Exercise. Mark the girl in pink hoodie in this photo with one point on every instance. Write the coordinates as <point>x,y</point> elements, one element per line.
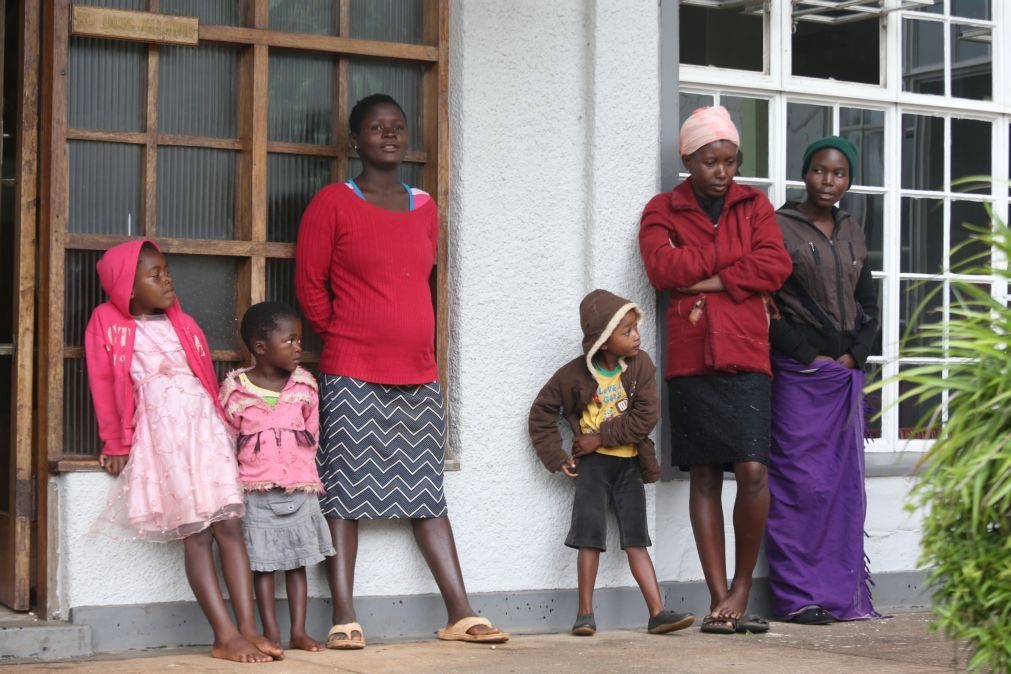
<point>166,441</point>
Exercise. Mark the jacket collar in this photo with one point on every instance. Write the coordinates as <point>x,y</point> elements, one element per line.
<point>683,197</point>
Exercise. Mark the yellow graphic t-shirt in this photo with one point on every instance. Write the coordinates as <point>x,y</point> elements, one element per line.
<point>610,402</point>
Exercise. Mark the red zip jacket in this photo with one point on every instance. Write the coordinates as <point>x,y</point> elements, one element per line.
<point>108,348</point>
<point>680,247</point>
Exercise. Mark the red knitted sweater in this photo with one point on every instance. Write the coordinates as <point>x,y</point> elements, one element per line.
<point>362,279</point>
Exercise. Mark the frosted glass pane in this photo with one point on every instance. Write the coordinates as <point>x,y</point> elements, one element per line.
<point>82,293</point>
<point>292,182</point>
<point>198,93</point>
<point>402,81</point>
<point>301,97</point>
<point>105,188</point>
<point>196,192</point>
<point>387,20</point>
<point>205,286</point>
<point>281,288</point>
<point>107,84</point>
<point>305,16</point>
<point>216,12</point>
<point>80,428</point>
<point>137,5</point>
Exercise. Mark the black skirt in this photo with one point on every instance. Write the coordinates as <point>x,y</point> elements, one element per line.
<point>719,419</point>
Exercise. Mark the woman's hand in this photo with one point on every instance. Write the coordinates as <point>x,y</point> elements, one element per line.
<point>822,358</point>
<point>847,360</point>
<point>113,464</point>
<point>713,284</point>
<point>569,467</point>
<point>585,444</point>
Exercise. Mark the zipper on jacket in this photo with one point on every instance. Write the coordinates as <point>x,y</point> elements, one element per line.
<point>814,253</point>
<point>853,255</point>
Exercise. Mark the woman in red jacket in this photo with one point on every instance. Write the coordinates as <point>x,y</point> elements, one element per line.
<point>716,247</point>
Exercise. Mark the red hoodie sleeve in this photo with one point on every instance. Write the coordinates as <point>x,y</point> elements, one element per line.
<point>668,264</point>
<point>103,393</point>
<point>767,266</point>
<point>313,250</point>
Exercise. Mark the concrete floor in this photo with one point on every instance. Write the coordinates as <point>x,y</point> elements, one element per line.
<point>902,643</point>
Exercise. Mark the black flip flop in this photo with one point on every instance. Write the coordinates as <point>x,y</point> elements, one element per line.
<point>815,615</point>
<point>669,621</point>
<point>755,624</point>
<point>585,626</point>
<point>719,624</point>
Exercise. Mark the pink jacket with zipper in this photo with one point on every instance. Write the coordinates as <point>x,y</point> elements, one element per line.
<point>108,348</point>
<point>277,444</point>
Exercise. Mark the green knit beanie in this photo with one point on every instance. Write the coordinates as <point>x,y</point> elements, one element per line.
<point>835,142</point>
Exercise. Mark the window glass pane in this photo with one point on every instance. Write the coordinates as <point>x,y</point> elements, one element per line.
<point>872,403</point>
<point>922,235</point>
<point>797,194</point>
<point>935,7</point>
<point>751,116</point>
<point>825,50</point>
<point>866,130</point>
<point>973,253</point>
<point>301,106</point>
<point>912,412</point>
<point>971,9</point>
<point>804,125</point>
<point>292,181</point>
<point>281,288</point>
<point>879,288</point>
<point>137,5</point>
<point>971,62</point>
<point>401,80</point>
<point>196,192</point>
<point>197,91</point>
<point>105,188</point>
<point>689,103</point>
<point>920,304</point>
<point>205,286</point>
<point>410,173</point>
<point>922,152</point>
<point>304,16</point>
<point>215,12</point>
<point>80,427</point>
<point>387,20</point>
<point>923,56</point>
<point>869,210</point>
<point>82,293</point>
<point>107,81</point>
<point>705,38</point>
<point>970,150</point>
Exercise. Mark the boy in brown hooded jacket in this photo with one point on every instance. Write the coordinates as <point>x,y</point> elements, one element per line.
<point>608,396</point>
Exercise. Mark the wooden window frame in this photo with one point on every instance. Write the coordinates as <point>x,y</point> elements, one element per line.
<point>250,247</point>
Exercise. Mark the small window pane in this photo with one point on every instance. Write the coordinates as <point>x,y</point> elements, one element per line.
<point>922,152</point>
<point>751,116</point>
<point>689,103</point>
<point>914,422</point>
<point>920,304</point>
<point>970,150</point>
<point>205,286</point>
<point>301,106</point>
<point>971,9</point>
<point>401,80</point>
<point>196,192</point>
<point>804,125</point>
<point>292,182</point>
<point>869,210</point>
<point>213,12</point>
<point>971,62</point>
<point>108,84</point>
<point>197,93</point>
<point>935,7</point>
<point>387,20</point>
<point>825,50</point>
<point>922,236</point>
<point>968,253</point>
<point>796,194</point>
<point>82,293</point>
<point>923,57</point>
<point>304,16</point>
<point>866,130</point>
<point>80,427</point>
<point>879,288</point>
<point>704,39</point>
<point>410,173</point>
<point>872,402</point>
<point>281,288</point>
<point>105,188</point>
<point>136,5</point>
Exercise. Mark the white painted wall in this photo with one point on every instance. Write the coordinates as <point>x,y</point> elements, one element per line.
<point>554,153</point>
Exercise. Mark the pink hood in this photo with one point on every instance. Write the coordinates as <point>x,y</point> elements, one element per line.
<point>117,271</point>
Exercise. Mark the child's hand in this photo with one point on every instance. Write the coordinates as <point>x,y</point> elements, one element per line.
<point>569,467</point>
<point>113,464</point>
<point>585,444</point>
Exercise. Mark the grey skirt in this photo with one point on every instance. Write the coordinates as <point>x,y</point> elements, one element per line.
<point>284,531</point>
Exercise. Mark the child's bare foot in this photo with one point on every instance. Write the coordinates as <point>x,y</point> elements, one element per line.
<point>238,649</point>
<point>265,645</point>
<point>304,642</point>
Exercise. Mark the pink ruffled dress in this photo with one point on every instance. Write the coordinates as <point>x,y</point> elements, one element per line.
<point>182,474</point>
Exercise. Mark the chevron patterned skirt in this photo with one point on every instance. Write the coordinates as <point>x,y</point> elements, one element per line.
<point>381,449</point>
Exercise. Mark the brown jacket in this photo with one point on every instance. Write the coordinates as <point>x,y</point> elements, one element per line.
<point>573,387</point>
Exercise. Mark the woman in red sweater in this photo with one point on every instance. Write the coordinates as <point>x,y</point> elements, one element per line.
<point>716,247</point>
<point>364,255</point>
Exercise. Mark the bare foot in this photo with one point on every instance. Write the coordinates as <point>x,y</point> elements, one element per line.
<point>238,649</point>
<point>482,630</point>
<point>304,642</point>
<point>734,604</point>
<point>265,645</point>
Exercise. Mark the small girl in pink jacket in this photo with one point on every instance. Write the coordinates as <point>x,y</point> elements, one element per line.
<point>274,406</point>
<point>166,441</point>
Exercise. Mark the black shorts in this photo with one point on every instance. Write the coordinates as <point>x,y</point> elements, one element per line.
<point>602,476</point>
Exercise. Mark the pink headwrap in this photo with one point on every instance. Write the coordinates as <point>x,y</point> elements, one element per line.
<point>707,125</point>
